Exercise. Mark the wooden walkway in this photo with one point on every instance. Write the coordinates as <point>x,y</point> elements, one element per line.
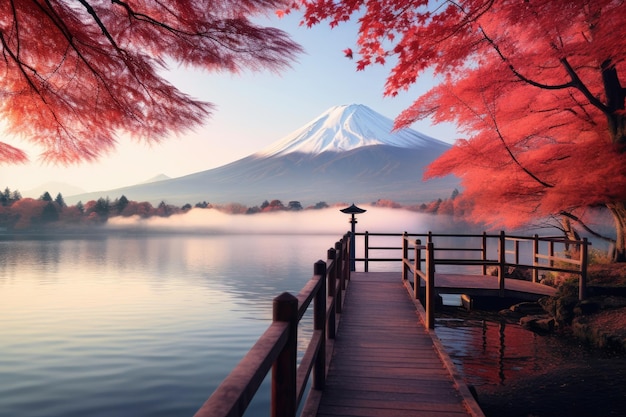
<point>487,285</point>
<point>385,362</point>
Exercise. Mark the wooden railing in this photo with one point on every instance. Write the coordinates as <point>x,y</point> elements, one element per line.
<point>420,254</point>
<point>277,348</point>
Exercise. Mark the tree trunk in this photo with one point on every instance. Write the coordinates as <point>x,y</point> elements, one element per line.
<point>615,96</point>
<point>571,234</point>
<point>618,210</point>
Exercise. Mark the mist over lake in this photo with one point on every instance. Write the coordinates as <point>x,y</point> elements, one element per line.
<point>324,221</point>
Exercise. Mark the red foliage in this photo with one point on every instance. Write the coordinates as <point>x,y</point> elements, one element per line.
<point>142,209</point>
<point>533,84</point>
<point>387,203</point>
<point>29,210</point>
<point>76,73</point>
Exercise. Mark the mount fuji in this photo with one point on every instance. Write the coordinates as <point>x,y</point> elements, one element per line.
<point>347,154</point>
<point>345,128</point>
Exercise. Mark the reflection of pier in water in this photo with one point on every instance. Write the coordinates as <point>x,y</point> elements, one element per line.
<point>494,352</point>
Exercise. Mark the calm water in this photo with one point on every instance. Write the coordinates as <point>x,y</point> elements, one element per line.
<point>149,326</point>
<point>136,326</point>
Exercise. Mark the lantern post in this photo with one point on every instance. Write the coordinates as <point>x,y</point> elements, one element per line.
<point>352,210</point>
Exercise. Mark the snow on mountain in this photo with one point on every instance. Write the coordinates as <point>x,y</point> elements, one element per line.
<point>344,128</point>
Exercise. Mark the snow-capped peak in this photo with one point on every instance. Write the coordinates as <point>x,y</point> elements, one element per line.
<point>347,127</point>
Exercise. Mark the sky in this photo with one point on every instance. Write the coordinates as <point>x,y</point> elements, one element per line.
<point>253,110</point>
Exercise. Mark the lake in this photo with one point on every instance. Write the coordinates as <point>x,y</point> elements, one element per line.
<point>136,326</point>
<point>149,325</point>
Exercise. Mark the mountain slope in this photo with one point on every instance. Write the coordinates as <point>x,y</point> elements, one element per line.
<point>344,128</point>
<point>345,155</point>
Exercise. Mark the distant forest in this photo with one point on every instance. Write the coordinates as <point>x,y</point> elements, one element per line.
<point>28,214</point>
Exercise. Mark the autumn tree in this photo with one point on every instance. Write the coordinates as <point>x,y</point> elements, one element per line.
<point>76,74</point>
<point>274,205</point>
<point>28,211</point>
<point>535,86</point>
<point>120,203</point>
<point>320,205</point>
<point>294,206</point>
<point>142,209</point>
<point>165,210</point>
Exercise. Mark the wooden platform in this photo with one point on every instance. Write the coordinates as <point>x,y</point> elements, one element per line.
<point>385,362</point>
<point>487,285</point>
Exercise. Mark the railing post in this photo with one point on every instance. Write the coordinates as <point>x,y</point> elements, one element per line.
<point>535,258</point>
<point>340,271</point>
<point>405,256</point>
<point>284,403</point>
<point>349,246</point>
<point>484,253</point>
<point>417,267</point>
<point>501,262</point>
<point>430,286</point>
<point>367,251</point>
<point>350,241</point>
<point>582,285</point>
<point>332,288</point>
<point>319,324</point>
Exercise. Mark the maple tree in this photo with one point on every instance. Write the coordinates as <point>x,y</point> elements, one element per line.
<point>533,84</point>
<point>75,74</point>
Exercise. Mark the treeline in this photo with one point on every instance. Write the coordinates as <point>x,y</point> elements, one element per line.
<point>17,213</point>
<point>22,214</point>
<point>449,206</point>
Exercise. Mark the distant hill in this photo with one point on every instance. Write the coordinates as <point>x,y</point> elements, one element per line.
<point>347,154</point>
<point>53,188</point>
<point>160,177</point>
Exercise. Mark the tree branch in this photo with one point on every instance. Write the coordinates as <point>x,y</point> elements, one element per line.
<point>520,76</point>
<point>579,85</point>
<point>512,155</point>
<point>585,227</point>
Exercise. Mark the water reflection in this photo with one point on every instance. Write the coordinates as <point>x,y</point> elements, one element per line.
<point>137,326</point>
<point>491,351</point>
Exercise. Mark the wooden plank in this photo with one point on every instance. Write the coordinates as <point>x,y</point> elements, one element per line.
<point>384,362</point>
<point>464,283</point>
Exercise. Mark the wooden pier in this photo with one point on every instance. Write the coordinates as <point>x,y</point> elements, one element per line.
<point>385,361</point>
<point>373,351</point>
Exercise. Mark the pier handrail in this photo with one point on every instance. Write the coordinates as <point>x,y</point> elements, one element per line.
<point>277,348</point>
<point>413,264</point>
<point>540,262</point>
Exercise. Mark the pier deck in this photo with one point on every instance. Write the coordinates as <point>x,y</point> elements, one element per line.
<point>385,361</point>
<point>488,285</point>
